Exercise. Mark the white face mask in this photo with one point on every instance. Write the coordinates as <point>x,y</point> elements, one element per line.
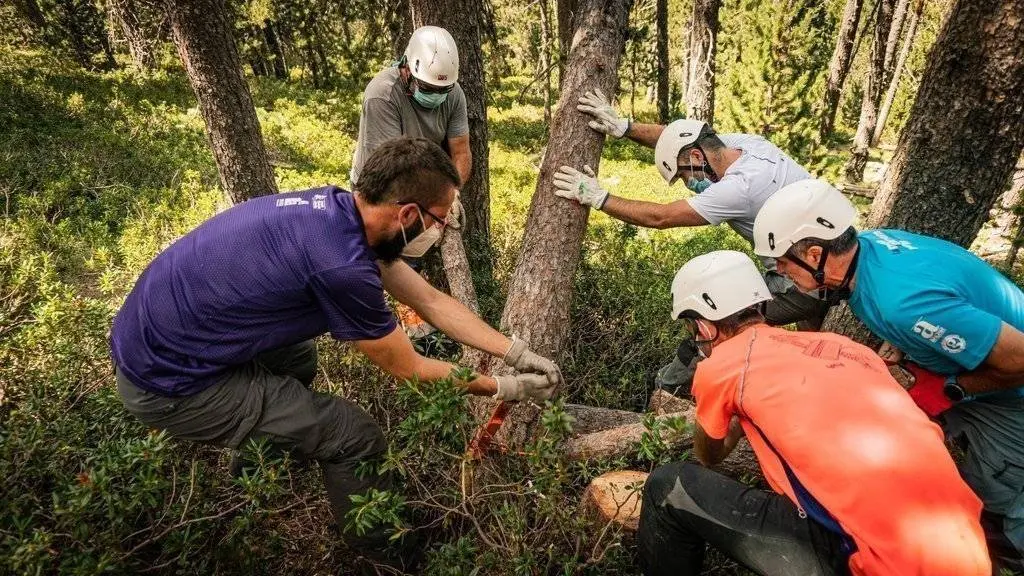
<point>421,243</point>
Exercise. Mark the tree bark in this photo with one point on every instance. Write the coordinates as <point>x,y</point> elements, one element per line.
<point>539,298</point>
<point>463,19</point>
<point>202,33</point>
<point>125,15</point>
<point>276,51</point>
<point>700,89</point>
<point>661,18</point>
<point>897,72</point>
<point>840,66</point>
<point>873,82</point>
<point>966,127</point>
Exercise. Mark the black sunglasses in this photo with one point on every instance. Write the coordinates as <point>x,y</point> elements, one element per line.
<point>431,89</point>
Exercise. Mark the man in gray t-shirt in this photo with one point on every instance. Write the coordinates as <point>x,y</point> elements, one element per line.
<point>418,96</point>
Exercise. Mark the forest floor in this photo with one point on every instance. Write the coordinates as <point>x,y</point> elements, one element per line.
<point>100,171</point>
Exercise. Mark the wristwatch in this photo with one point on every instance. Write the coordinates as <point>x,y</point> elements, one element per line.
<point>953,390</point>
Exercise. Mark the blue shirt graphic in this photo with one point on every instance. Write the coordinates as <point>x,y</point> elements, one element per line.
<point>938,303</point>
<point>266,273</point>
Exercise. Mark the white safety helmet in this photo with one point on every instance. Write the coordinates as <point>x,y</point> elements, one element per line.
<point>804,209</point>
<point>716,285</point>
<point>432,56</point>
<point>676,136</point>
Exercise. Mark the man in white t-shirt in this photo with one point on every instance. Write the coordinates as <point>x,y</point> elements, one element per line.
<point>731,175</point>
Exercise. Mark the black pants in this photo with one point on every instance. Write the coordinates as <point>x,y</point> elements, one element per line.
<point>687,507</point>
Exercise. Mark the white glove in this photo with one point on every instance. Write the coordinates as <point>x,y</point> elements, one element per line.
<point>520,357</point>
<point>524,387</point>
<point>580,186</point>
<point>606,119</point>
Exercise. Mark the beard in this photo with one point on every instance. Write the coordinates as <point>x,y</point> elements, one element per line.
<point>391,249</point>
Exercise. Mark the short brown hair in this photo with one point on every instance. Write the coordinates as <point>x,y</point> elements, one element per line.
<point>407,169</point>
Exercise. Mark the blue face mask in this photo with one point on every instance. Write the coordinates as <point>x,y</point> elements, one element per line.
<point>429,100</point>
<point>698,186</point>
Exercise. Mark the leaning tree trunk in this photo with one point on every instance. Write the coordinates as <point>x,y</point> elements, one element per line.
<point>873,83</point>
<point>125,15</point>
<point>840,65</point>
<point>700,89</point>
<point>202,32</point>
<point>463,18</point>
<point>539,298</point>
<point>661,17</point>
<point>899,15</point>
<point>897,72</point>
<point>966,127</point>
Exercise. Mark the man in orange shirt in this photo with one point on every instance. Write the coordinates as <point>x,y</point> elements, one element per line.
<point>862,482</point>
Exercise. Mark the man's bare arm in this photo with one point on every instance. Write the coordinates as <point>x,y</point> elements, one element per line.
<point>441,310</point>
<point>653,215</point>
<point>462,156</point>
<point>646,134</point>
<point>710,451</point>
<point>395,355</point>
<point>1003,369</point>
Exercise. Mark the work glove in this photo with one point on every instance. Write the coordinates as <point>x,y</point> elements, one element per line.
<point>535,387</point>
<point>522,359</point>
<point>927,390</point>
<point>580,186</point>
<point>606,119</point>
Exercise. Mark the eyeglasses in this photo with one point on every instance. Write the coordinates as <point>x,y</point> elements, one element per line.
<point>442,221</point>
<point>431,89</point>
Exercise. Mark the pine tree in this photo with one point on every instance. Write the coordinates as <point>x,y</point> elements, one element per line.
<point>772,63</point>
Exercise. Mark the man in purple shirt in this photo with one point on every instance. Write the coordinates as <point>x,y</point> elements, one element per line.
<point>214,342</point>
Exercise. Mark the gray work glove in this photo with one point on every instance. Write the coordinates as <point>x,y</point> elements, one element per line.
<point>579,186</point>
<point>524,387</point>
<point>522,359</point>
<point>606,119</point>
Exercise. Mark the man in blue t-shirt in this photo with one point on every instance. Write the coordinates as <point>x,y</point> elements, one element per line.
<point>958,322</point>
<point>214,342</point>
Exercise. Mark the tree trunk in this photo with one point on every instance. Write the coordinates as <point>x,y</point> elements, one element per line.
<point>661,18</point>
<point>545,58</point>
<point>276,51</point>
<point>700,89</point>
<point>873,82</point>
<point>202,33</point>
<point>897,71</point>
<point>899,15</point>
<point>400,25</point>
<point>841,57</point>
<point>463,19</point>
<point>539,298</point>
<point>567,10</point>
<point>125,15</point>
<point>966,127</point>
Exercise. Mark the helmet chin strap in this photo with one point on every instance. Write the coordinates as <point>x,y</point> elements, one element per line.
<point>706,167</point>
<point>840,292</point>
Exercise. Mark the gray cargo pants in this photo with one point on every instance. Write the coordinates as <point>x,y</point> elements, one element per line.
<point>990,430</point>
<point>270,398</point>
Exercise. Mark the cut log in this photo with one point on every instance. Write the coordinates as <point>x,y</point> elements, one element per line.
<point>622,441</point>
<point>615,497</point>
<point>663,402</point>
<point>591,419</point>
